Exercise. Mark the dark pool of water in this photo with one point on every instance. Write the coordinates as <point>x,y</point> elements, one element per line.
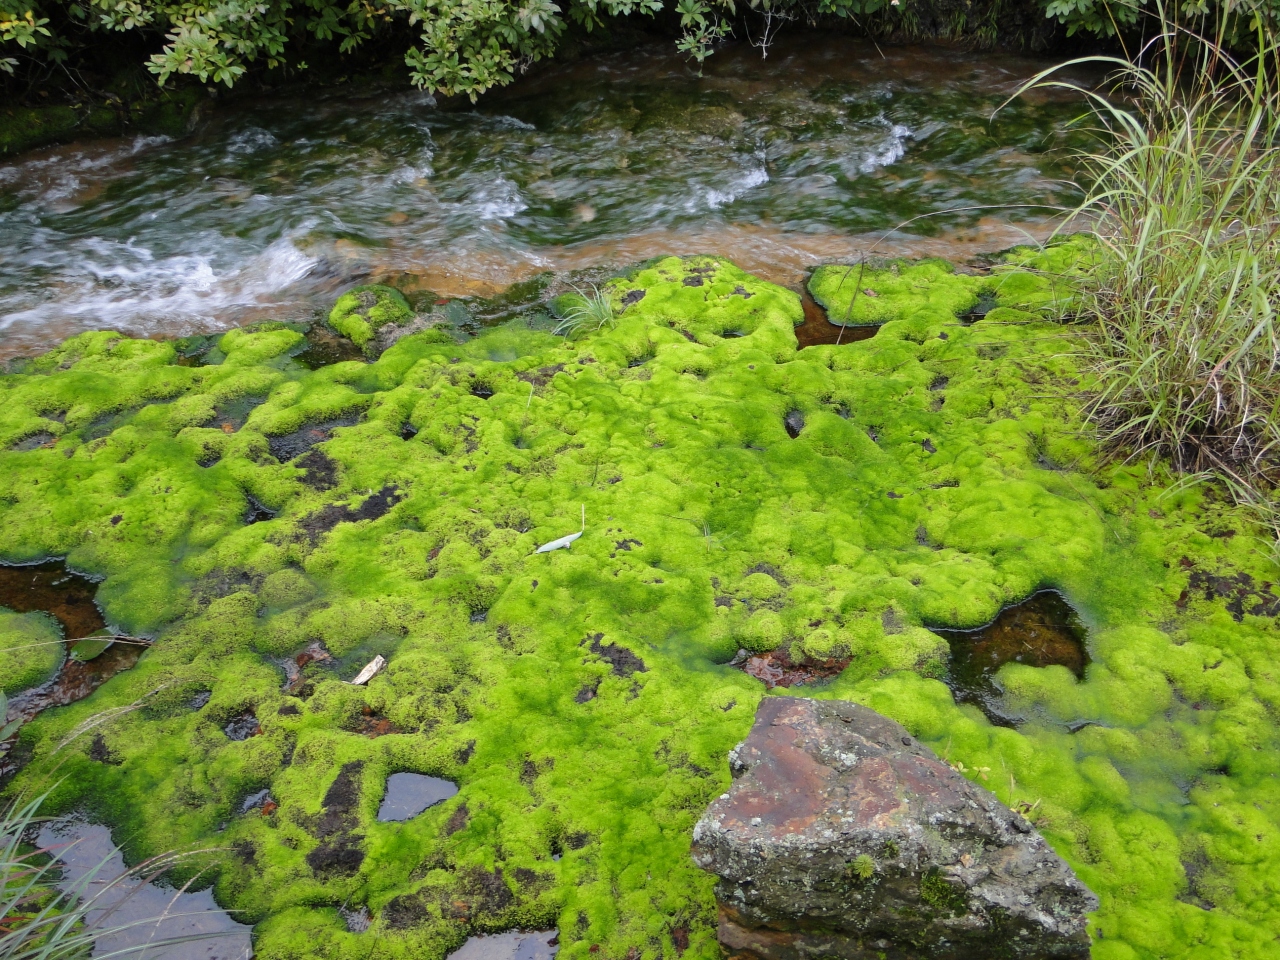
<point>513,945</point>
<point>150,913</point>
<point>408,794</point>
<point>68,597</point>
<point>818,329</point>
<point>1044,630</point>
<point>50,587</point>
<point>275,205</point>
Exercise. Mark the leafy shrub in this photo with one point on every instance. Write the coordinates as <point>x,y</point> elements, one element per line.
<point>468,46</point>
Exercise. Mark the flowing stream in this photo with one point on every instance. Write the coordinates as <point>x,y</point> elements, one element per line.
<point>814,154</point>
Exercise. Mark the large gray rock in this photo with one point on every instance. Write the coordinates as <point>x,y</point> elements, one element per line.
<point>844,837</point>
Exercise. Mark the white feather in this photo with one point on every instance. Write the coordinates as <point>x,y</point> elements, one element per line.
<point>565,541</point>
<point>557,544</point>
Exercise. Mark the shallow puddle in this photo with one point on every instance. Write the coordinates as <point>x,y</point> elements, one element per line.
<point>51,588</point>
<point>408,794</point>
<point>68,597</point>
<point>818,330</point>
<point>777,669</point>
<point>151,914</point>
<point>514,945</point>
<point>1042,631</point>
<point>230,415</point>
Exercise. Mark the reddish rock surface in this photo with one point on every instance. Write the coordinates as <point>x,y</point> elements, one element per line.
<point>843,837</point>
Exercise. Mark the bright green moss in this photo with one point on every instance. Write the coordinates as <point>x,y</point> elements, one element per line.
<point>30,649</point>
<point>936,479</point>
<point>359,314</point>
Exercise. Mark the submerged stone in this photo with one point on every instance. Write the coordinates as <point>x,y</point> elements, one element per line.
<point>776,668</point>
<point>408,794</point>
<point>843,836</point>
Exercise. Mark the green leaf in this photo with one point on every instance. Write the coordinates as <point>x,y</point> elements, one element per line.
<point>91,646</point>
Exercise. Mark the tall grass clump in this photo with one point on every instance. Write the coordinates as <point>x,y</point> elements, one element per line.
<point>1184,198</point>
<point>586,312</point>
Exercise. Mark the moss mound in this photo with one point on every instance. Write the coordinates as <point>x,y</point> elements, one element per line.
<point>830,503</point>
<point>360,313</point>
<point>31,650</point>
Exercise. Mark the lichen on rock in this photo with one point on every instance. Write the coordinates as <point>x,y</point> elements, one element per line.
<point>843,836</point>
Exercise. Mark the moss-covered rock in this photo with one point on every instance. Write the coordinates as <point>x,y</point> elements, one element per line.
<point>31,649</point>
<point>360,313</point>
<point>582,699</point>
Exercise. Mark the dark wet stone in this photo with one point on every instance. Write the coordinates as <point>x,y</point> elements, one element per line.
<point>1242,593</point>
<point>458,820</point>
<point>843,837</point>
<point>242,727</point>
<point>107,423</point>
<point>481,390</point>
<point>693,281</point>
<point>479,616</point>
<point>986,303</point>
<point>777,669</point>
<point>408,431</point>
<point>288,446</point>
<point>794,423</point>
<point>622,660</point>
<point>339,856</point>
<point>588,692</point>
<point>317,524</point>
<point>408,794</point>
<point>1041,631</point>
<point>256,512</point>
<point>632,297</point>
<point>324,347</point>
<point>939,382</point>
<point>69,598</point>
<point>230,415</point>
<point>199,700</point>
<point>927,445</point>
